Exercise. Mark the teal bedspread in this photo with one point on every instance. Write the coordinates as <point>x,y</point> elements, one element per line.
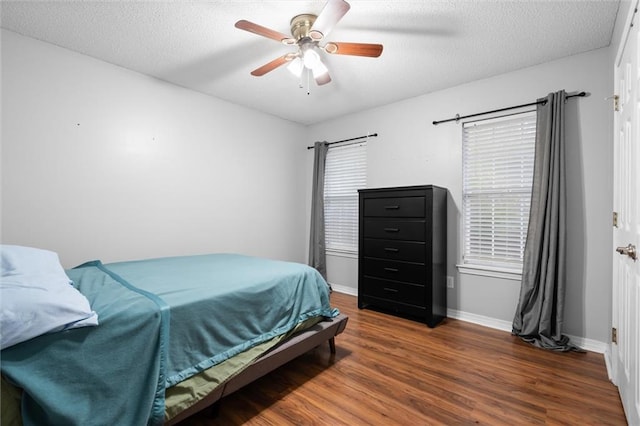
<point>161,321</point>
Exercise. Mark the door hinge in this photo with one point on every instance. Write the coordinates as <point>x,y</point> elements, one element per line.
<point>616,102</point>
<point>615,219</point>
<point>614,335</point>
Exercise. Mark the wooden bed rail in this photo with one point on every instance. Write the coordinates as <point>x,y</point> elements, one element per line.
<point>292,348</point>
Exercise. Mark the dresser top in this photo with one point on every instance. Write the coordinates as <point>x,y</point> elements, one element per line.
<point>401,188</point>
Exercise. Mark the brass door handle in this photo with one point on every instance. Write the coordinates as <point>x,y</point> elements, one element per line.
<point>629,250</point>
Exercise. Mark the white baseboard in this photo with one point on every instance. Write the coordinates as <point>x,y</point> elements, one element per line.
<point>480,320</point>
<point>591,345</point>
<point>586,344</point>
<point>344,289</point>
<point>608,363</point>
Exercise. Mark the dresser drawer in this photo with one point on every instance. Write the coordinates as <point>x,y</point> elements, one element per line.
<point>414,273</point>
<point>409,230</point>
<point>409,251</point>
<point>395,291</point>
<point>395,207</point>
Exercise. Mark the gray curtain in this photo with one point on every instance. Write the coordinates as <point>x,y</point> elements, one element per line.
<point>539,315</point>
<point>317,254</point>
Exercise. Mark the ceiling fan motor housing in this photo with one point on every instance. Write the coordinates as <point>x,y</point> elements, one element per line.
<point>301,27</point>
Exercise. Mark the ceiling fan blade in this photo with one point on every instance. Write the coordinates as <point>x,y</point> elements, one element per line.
<point>272,65</point>
<point>331,14</point>
<point>323,79</point>
<point>355,49</point>
<point>321,74</point>
<point>265,32</point>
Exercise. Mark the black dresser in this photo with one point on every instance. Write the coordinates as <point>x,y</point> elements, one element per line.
<point>403,251</point>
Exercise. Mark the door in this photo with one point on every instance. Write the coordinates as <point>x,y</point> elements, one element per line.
<point>626,230</point>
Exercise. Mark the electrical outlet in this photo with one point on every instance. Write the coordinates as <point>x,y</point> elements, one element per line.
<point>449,282</point>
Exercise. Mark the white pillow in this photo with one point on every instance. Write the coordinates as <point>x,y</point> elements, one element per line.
<point>37,296</point>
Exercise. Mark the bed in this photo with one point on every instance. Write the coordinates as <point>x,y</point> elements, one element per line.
<point>171,337</point>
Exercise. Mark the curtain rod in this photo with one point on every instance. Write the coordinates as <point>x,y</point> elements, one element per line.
<point>457,117</point>
<point>373,135</point>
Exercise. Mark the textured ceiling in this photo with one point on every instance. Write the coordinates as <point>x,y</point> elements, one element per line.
<point>428,45</point>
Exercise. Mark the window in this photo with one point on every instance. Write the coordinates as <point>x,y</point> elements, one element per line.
<point>497,163</point>
<point>345,173</point>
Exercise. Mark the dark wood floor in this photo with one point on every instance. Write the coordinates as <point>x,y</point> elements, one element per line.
<point>393,371</point>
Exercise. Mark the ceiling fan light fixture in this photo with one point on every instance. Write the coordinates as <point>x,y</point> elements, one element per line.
<point>319,70</point>
<point>295,67</point>
<point>310,58</point>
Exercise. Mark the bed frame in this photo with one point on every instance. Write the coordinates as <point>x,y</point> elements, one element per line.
<point>293,347</point>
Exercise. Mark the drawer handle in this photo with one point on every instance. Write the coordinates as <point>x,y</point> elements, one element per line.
<point>391,229</point>
<point>390,290</point>
<point>391,269</point>
<point>391,207</point>
<point>391,249</point>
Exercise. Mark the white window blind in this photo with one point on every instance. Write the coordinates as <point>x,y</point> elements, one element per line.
<point>498,156</point>
<point>345,173</point>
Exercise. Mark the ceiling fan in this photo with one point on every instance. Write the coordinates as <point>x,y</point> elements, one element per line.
<point>308,32</point>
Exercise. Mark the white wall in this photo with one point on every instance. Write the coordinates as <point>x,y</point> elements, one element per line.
<point>99,162</point>
<point>410,150</point>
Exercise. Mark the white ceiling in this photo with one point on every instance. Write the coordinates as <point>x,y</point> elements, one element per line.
<point>428,45</point>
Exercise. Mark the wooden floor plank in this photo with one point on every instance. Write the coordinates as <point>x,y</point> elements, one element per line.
<point>393,371</point>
